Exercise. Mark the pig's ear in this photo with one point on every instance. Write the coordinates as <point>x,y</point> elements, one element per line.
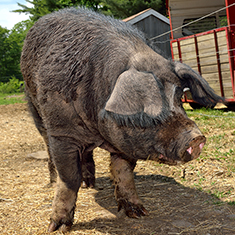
<point>137,99</point>
<point>199,88</point>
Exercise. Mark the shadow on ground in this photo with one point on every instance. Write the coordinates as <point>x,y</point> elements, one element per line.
<point>174,209</point>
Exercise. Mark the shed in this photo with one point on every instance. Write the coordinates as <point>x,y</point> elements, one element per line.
<point>153,24</point>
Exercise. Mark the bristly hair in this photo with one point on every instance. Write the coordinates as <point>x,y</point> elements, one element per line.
<point>72,46</point>
<point>140,120</point>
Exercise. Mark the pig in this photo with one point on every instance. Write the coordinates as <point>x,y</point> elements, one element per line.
<point>94,81</point>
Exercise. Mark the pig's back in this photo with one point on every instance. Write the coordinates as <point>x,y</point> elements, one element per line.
<point>73,45</point>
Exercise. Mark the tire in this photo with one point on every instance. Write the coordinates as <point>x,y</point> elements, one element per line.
<point>231,106</point>
<point>199,106</point>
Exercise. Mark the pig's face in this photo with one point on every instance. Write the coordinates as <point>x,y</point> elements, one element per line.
<point>178,141</point>
<point>144,117</point>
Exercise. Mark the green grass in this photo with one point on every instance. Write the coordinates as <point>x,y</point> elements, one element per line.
<point>218,126</point>
<point>12,98</point>
<point>11,92</point>
<point>231,203</point>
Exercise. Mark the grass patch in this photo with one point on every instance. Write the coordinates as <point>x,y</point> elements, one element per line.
<point>11,92</point>
<point>221,123</point>
<point>215,168</point>
<point>12,98</point>
<point>11,87</point>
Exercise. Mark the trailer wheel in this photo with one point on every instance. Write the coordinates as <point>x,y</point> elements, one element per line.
<point>199,106</point>
<point>231,106</point>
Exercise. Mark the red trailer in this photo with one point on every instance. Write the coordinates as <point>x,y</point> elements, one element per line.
<point>203,36</point>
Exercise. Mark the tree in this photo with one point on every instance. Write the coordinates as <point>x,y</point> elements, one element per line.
<point>4,48</point>
<point>125,8</point>
<point>117,8</point>
<point>11,43</point>
<point>19,31</point>
<point>43,7</point>
<point>9,56</point>
<point>93,4</point>
<point>40,8</point>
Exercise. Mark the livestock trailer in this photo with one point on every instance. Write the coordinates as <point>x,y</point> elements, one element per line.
<point>203,37</point>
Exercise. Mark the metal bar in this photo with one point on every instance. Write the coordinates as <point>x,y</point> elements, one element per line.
<point>229,36</point>
<point>169,13</point>
<point>180,57</point>
<point>230,100</point>
<point>197,54</point>
<point>200,34</point>
<point>179,50</point>
<point>218,64</point>
<point>230,14</point>
<point>172,52</point>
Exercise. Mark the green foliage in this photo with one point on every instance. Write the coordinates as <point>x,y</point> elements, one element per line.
<point>43,7</point>
<point>125,8</point>
<point>9,56</point>
<point>232,203</point>
<point>19,32</point>
<point>117,8</point>
<point>11,43</point>
<point>13,86</point>
<point>40,8</point>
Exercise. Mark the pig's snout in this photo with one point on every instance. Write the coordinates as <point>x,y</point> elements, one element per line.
<point>193,149</point>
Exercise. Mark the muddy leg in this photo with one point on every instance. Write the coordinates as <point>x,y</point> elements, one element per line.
<point>67,161</point>
<point>42,130</point>
<point>52,169</point>
<point>125,191</point>
<point>88,170</point>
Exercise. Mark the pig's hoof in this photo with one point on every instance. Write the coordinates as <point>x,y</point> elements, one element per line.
<point>88,183</point>
<point>50,185</point>
<point>63,227</point>
<point>132,210</point>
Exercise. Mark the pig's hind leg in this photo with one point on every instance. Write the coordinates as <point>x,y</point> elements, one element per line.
<point>88,170</point>
<point>125,190</point>
<point>42,130</point>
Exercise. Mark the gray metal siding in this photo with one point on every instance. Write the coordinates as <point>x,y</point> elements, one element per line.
<point>153,27</point>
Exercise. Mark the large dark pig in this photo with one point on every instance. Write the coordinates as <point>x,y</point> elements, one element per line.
<point>93,81</point>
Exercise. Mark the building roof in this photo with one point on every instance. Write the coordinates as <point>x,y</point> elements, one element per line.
<point>144,14</point>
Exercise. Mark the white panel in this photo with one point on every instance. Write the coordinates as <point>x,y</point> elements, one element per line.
<point>186,9</point>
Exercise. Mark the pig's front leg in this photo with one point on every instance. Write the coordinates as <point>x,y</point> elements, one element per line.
<point>125,191</point>
<point>67,161</point>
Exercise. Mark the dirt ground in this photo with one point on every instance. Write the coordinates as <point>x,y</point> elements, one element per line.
<point>175,206</point>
